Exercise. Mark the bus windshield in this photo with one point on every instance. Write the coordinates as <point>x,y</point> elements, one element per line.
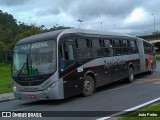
<point>34,59</point>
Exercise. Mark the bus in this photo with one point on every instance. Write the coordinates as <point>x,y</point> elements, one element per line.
<point>64,63</point>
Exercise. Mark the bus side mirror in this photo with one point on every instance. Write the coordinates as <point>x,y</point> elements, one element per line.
<point>66,47</point>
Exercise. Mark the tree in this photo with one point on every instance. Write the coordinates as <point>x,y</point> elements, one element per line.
<point>156,33</point>
<point>2,50</point>
<point>157,45</point>
<point>27,33</point>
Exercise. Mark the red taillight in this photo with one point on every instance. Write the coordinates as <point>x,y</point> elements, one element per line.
<point>31,96</point>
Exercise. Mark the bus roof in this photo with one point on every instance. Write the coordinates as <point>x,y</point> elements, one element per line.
<point>58,33</point>
<point>40,37</point>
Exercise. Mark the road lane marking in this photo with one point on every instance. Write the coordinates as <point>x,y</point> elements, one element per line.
<point>116,88</point>
<point>119,87</point>
<point>145,81</point>
<point>142,105</point>
<point>156,82</point>
<point>130,109</point>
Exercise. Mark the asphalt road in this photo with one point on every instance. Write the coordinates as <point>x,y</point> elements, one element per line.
<point>112,98</point>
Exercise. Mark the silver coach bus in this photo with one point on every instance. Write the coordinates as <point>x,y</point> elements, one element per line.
<point>63,63</point>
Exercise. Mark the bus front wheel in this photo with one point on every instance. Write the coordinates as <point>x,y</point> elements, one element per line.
<point>88,86</point>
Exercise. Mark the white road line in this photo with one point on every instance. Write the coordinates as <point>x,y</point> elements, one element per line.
<point>104,118</point>
<point>130,109</point>
<point>142,105</point>
<point>119,87</point>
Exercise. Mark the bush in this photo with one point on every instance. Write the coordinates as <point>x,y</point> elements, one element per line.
<point>158,57</point>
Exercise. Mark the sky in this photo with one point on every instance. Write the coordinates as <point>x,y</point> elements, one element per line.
<point>125,16</point>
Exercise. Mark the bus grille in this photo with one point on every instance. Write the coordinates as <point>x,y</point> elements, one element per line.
<point>31,81</point>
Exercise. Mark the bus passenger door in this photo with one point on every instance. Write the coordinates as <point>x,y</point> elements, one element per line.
<point>68,68</point>
<point>110,65</point>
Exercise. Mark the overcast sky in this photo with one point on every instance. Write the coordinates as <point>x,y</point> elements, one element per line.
<point>115,15</point>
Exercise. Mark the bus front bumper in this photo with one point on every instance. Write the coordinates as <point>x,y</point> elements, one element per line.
<point>53,93</point>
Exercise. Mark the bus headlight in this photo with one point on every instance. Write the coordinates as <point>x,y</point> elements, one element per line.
<point>51,86</point>
<point>15,89</point>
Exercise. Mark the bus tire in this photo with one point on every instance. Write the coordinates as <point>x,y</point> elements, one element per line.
<point>151,69</point>
<point>130,75</point>
<point>88,86</point>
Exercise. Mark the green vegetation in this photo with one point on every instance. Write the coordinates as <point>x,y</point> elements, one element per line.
<point>157,46</point>
<point>158,57</point>
<point>11,31</point>
<point>5,78</point>
<point>151,109</point>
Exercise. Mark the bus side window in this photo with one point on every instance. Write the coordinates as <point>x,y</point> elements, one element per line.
<point>145,47</point>
<point>108,48</point>
<point>61,52</point>
<point>134,48</point>
<point>66,57</point>
<point>83,48</point>
<point>97,47</point>
<point>125,47</point>
<point>117,48</point>
<point>62,58</point>
<point>71,53</point>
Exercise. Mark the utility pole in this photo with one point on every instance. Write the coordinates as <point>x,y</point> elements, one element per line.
<point>101,26</point>
<point>80,22</point>
<point>154,23</point>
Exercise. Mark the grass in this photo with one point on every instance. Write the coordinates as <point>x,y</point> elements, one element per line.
<point>5,78</point>
<point>158,57</point>
<point>152,109</point>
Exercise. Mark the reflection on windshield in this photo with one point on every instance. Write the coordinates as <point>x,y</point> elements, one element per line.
<point>34,59</point>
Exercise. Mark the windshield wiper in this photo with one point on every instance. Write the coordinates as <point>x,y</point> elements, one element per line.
<point>21,69</point>
<point>25,64</point>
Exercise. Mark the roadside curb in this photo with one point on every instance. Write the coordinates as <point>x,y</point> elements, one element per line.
<point>6,100</point>
<point>6,97</point>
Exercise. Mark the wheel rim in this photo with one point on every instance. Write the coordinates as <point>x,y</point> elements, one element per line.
<point>88,86</point>
<point>131,74</point>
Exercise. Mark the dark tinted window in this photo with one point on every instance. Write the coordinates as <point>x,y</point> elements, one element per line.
<point>133,46</point>
<point>117,48</point>
<point>101,43</point>
<point>126,48</point>
<point>83,48</point>
<point>117,44</point>
<point>133,43</point>
<point>112,43</point>
<point>108,50</point>
<point>125,43</point>
<point>71,52</point>
<point>148,48</point>
<point>107,43</point>
<point>120,43</point>
<point>67,57</point>
<point>81,43</point>
<point>97,47</point>
<point>95,43</point>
